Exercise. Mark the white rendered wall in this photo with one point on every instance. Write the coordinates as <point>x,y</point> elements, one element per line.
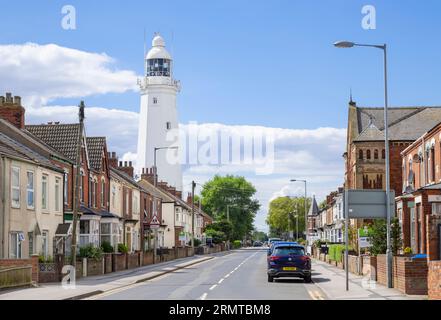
<point>153,132</point>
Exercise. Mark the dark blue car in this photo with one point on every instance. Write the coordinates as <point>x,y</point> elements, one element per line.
<point>289,260</point>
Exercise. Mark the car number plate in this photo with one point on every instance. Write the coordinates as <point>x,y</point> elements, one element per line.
<point>289,268</point>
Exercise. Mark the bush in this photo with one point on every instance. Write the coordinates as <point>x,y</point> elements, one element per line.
<point>336,252</point>
<point>107,247</point>
<point>237,244</point>
<point>122,248</point>
<point>197,243</point>
<point>217,236</point>
<point>42,259</point>
<point>91,252</point>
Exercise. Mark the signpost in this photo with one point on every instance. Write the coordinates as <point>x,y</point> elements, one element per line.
<point>364,204</point>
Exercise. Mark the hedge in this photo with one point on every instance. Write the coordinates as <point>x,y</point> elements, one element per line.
<point>336,252</point>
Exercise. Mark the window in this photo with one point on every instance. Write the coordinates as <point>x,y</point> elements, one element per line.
<point>16,239</point>
<point>94,188</point>
<point>31,243</point>
<point>44,195</point>
<point>15,187</point>
<point>44,243</point>
<point>84,227</point>
<point>57,194</point>
<point>113,195</point>
<point>432,164</point>
<point>376,154</point>
<point>436,208</point>
<point>66,186</point>
<point>360,155</point>
<point>135,204</point>
<point>103,188</point>
<point>30,190</point>
<point>81,186</point>
<point>106,233</point>
<point>155,100</point>
<point>168,125</point>
<point>383,154</point>
<point>368,154</point>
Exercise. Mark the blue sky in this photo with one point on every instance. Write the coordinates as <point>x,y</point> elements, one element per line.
<point>253,62</point>
<point>241,63</point>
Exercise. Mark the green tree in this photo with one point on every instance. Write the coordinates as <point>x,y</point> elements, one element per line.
<point>282,215</point>
<point>379,236</point>
<point>223,226</point>
<point>236,194</point>
<point>259,236</point>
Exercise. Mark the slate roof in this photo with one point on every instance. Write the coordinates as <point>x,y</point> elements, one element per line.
<point>371,133</point>
<point>405,123</point>
<point>61,137</point>
<point>313,209</point>
<point>95,148</point>
<point>13,148</point>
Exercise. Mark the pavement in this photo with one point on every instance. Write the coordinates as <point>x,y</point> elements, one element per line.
<point>233,275</point>
<point>90,286</point>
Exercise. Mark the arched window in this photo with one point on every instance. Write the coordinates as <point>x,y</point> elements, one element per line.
<point>103,189</point>
<point>432,164</point>
<point>368,154</point>
<point>360,155</point>
<point>376,154</point>
<point>383,154</point>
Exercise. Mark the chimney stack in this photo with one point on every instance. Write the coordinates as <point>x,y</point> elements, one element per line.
<point>147,175</point>
<point>113,160</point>
<point>127,168</point>
<point>12,111</point>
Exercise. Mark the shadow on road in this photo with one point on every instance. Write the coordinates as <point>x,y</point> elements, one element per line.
<point>289,280</point>
<point>319,280</point>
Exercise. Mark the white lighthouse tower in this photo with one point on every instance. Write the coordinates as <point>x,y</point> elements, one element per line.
<point>158,115</point>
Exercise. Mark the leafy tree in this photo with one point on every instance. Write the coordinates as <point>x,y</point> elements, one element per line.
<point>281,216</point>
<point>223,226</point>
<point>379,236</point>
<point>236,194</point>
<point>259,236</point>
<point>217,236</point>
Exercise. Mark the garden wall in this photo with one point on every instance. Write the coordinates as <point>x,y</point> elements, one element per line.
<point>434,280</point>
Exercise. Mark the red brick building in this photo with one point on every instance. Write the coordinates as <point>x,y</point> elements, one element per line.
<point>419,207</point>
<point>365,151</point>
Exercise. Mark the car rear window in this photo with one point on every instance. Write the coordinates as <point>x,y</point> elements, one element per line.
<point>288,251</point>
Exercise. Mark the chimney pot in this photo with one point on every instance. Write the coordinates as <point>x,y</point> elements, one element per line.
<point>125,163</point>
<point>130,163</point>
<point>17,100</point>
<point>9,97</point>
<point>120,163</point>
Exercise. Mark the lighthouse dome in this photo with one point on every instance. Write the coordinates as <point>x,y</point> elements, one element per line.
<point>158,50</point>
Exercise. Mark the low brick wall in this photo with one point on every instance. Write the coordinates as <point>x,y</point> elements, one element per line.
<point>107,262</point>
<point>369,266</point>
<point>353,264</point>
<point>119,262</point>
<point>147,258</point>
<point>434,280</point>
<point>132,260</point>
<point>48,272</point>
<point>95,267</point>
<point>33,262</point>
<point>409,276</point>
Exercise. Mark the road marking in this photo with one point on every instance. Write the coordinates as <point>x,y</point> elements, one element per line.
<point>213,286</point>
<point>221,280</point>
<point>203,297</point>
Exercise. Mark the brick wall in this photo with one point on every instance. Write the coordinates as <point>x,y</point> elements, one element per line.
<point>409,276</point>
<point>132,260</point>
<point>119,262</point>
<point>95,267</point>
<point>434,280</point>
<point>147,258</point>
<point>33,261</point>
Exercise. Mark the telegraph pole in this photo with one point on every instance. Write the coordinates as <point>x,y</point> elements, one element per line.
<point>193,186</point>
<point>76,202</point>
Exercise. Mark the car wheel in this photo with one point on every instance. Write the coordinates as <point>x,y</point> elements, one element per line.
<point>270,279</point>
<point>307,279</point>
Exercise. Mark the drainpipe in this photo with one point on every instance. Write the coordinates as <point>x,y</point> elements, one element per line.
<point>2,204</point>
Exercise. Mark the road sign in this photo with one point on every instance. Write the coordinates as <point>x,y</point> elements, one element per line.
<point>154,223</point>
<point>364,242</point>
<point>368,204</point>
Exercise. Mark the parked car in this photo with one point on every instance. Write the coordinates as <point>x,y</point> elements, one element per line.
<point>257,244</point>
<point>289,260</point>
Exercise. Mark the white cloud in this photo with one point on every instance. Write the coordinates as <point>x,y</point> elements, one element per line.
<point>42,73</point>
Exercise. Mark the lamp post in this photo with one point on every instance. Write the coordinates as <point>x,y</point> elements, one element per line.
<point>306,206</point>
<point>348,44</point>
<point>155,183</point>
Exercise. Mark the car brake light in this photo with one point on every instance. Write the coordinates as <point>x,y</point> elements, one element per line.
<point>274,258</point>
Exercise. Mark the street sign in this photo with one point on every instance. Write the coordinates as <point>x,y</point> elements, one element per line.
<point>182,236</point>
<point>154,223</point>
<point>364,242</point>
<point>368,204</point>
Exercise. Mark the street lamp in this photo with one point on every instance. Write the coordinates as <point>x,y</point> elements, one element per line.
<point>306,209</point>
<point>348,44</point>
<point>155,183</point>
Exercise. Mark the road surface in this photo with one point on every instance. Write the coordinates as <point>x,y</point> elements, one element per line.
<point>239,275</point>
